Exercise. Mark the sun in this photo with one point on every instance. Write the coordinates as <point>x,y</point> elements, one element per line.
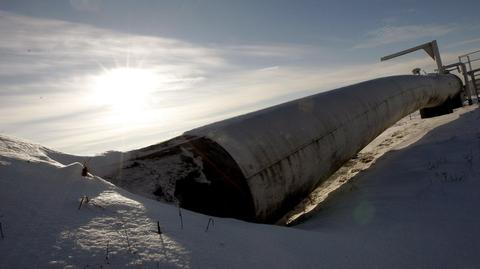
<point>124,87</point>
<point>125,92</point>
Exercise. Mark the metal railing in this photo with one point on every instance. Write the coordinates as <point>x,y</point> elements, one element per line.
<point>471,59</point>
<point>472,62</point>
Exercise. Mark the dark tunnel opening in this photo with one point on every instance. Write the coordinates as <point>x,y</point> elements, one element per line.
<point>226,194</point>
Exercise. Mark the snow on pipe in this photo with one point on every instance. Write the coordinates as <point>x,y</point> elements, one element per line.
<point>258,166</point>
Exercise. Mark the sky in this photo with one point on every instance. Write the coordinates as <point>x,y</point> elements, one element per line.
<point>89,76</point>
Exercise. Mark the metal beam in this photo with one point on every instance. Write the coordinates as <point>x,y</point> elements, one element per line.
<point>431,48</point>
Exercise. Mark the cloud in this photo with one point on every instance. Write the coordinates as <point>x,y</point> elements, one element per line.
<point>396,34</point>
<point>47,67</point>
<point>271,50</point>
<point>463,42</point>
<point>86,5</point>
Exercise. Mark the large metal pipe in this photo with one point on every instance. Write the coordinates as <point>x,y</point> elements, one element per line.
<point>285,151</point>
<point>259,165</point>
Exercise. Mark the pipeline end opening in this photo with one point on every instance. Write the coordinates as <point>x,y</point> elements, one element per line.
<point>225,193</point>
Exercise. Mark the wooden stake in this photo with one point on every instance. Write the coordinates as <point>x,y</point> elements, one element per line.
<point>81,202</point>
<point>181,218</point>
<point>106,255</point>
<point>1,231</point>
<point>158,227</point>
<point>208,224</point>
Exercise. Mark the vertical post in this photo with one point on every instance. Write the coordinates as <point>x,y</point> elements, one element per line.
<point>210,220</point>
<point>107,252</point>
<point>474,82</point>
<point>437,57</point>
<point>81,202</point>
<point>181,218</point>
<point>467,84</point>
<point>469,62</point>
<point>1,231</point>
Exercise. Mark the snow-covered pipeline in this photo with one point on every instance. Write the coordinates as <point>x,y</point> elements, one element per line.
<point>284,151</point>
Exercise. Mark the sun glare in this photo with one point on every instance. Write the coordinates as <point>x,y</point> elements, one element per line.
<point>125,91</point>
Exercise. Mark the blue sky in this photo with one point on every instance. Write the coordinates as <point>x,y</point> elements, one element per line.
<point>65,65</point>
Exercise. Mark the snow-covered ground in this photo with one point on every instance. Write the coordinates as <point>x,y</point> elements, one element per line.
<point>414,207</point>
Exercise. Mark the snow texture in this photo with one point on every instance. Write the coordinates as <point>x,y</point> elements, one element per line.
<point>154,172</point>
<point>414,207</point>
